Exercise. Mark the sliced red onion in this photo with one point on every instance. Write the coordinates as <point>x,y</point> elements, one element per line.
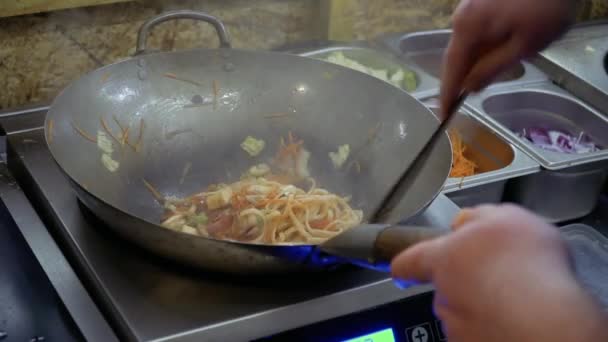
<point>558,141</point>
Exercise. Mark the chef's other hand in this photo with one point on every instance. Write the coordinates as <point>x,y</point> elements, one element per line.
<point>491,35</point>
<point>504,275</point>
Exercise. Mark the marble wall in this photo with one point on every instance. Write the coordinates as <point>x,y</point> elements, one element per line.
<point>40,54</point>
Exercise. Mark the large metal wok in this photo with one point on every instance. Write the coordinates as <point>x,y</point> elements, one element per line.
<point>187,113</point>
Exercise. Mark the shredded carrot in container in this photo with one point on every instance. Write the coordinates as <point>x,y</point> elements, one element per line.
<point>461,165</point>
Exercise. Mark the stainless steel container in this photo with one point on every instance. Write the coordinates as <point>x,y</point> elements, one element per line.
<point>364,53</point>
<point>424,51</point>
<point>498,161</point>
<point>578,62</point>
<point>569,184</point>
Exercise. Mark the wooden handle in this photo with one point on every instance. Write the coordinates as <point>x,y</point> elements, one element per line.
<point>395,239</point>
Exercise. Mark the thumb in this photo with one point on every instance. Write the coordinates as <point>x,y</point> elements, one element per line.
<point>418,262</point>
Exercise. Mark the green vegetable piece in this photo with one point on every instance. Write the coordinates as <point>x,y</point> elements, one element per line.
<point>253,146</point>
<point>409,82</point>
<point>198,219</point>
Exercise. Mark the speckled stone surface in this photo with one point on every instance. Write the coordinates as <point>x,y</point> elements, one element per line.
<point>40,54</point>
<point>373,18</point>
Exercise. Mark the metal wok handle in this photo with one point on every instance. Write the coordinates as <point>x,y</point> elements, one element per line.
<point>375,245</point>
<point>142,35</point>
<point>397,238</point>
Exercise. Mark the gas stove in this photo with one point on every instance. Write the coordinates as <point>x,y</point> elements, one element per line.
<point>145,298</point>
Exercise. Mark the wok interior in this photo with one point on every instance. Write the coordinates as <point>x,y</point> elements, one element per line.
<point>265,95</point>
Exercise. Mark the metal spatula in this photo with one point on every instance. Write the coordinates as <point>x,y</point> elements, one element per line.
<point>398,190</point>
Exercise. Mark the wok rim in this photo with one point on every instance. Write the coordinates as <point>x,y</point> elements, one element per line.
<point>73,181</point>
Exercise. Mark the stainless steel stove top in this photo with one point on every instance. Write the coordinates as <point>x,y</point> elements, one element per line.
<point>146,298</point>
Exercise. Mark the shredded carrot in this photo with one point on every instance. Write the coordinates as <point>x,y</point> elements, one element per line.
<point>157,195</point>
<point>84,134</point>
<point>141,134</point>
<point>49,132</point>
<point>125,136</point>
<point>174,76</point>
<point>289,151</point>
<point>461,165</point>
<point>124,132</point>
<point>107,129</point>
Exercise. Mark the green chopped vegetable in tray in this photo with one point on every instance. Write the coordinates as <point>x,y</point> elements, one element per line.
<point>402,78</point>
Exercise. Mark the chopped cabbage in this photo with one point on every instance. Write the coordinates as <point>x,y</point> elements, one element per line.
<point>339,158</point>
<point>401,78</point>
<point>109,163</point>
<point>302,164</point>
<point>219,199</point>
<point>104,143</point>
<point>200,219</point>
<point>259,170</point>
<point>253,146</point>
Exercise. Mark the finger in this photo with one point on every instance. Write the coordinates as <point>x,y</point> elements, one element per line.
<point>457,62</point>
<point>492,63</point>
<point>418,262</point>
<point>463,216</point>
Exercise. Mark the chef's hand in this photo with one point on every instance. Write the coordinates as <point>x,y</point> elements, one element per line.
<point>504,275</point>
<point>491,35</point>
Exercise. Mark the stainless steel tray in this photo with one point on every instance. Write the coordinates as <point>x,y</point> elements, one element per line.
<point>424,50</point>
<point>364,53</point>
<point>579,63</point>
<point>568,186</point>
<point>498,160</point>
<point>513,108</point>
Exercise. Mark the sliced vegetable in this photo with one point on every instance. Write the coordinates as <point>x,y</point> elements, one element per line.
<point>109,163</point>
<point>259,170</point>
<point>410,82</point>
<point>200,219</point>
<point>302,164</point>
<point>559,141</point>
<point>253,146</point>
<point>219,199</point>
<point>189,230</point>
<point>168,201</point>
<point>401,78</point>
<point>339,158</point>
<point>104,143</point>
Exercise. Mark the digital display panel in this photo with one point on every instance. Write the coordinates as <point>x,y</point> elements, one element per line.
<point>385,335</point>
